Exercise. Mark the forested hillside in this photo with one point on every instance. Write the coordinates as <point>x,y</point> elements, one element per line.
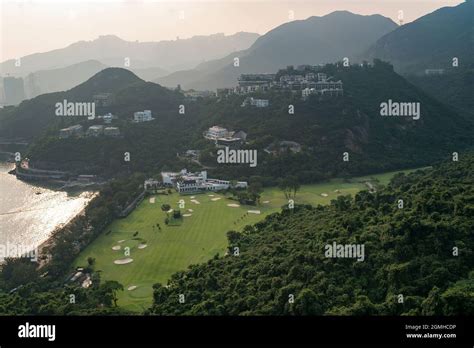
<point>430,42</point>
<point>454,88</point>
<point>419,259</point>
<point>325,127</point>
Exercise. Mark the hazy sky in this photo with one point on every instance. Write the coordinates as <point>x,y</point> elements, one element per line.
<point>30,26</point>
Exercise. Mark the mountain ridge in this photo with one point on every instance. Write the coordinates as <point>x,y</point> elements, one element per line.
<point>430,42</point>
<point>308,41</point>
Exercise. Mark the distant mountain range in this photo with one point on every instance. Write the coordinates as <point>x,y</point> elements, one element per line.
<point>48,81</point>
<point>430,42</point>
<point>110,50</point>
<point>46,72</point>
<point>316,40</point>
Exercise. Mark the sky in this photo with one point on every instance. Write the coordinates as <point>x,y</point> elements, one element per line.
<point>31,26</point>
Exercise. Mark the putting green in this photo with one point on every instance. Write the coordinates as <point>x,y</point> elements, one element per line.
<point>197,239</point>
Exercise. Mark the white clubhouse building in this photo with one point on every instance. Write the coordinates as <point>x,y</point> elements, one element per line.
<point>188,183</point>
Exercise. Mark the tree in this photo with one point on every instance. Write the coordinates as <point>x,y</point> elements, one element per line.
<point>165,207</point>
<point>289,186</point>
<point>459,298</point>
<point>433,304</point>
<point>111,287</point>
<point>306,303</point>
<point>293,184</point>
<point>18,271</point>
<point>283,185</point>
<point>90,261</point>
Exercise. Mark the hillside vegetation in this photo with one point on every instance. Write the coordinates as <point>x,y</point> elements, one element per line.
<point>418,259</point>
<point>325,127</point>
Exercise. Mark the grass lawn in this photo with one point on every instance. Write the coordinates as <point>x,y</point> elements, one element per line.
<point>197,239</point>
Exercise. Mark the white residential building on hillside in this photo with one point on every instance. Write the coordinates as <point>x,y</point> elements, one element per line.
<point>95,130</point>
<point>108,118</point>
<point>112,131</point>
<point>142,116</point>
<point>75,130</point>
<point>259,103</point>
<point>216,132</point>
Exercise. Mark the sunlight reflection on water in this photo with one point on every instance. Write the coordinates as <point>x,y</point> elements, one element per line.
<point>28,214</point>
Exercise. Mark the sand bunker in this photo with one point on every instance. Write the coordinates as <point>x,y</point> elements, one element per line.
<point>324,194</point>
<point>186,215</point>
<point>121,241</point>
<point>253,211</point>
<point>232,205</point>
<point>211,195</point>
<point>266,202</point>
<point>132,287</point>
<point>152,200</point>
<point>142,246</point>
<point>190,210</point>
<point>192,197</point>
<point>170,211</point>
<point>195,201</point>
<point>116,247</point>
<point>216,199</point>
<point>123,261</point>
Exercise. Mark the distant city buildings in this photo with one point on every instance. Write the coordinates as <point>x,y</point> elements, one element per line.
<point>142,116</point>
<point>13,90</point>
<point>188,183</point>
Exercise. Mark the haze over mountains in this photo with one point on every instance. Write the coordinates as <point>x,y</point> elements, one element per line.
<point>112,50</point>
<point>430,42</point>
<point>149,60</point>
<point>316,40</point>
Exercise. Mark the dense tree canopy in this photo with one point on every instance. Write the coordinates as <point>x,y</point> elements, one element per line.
<point>418,259</point>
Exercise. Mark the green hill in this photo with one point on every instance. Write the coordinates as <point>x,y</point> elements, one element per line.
<point>455,88</point>
<point>34,116</point>
<point>325,128</point>
<point>417,260</point>
<point>430,42</point>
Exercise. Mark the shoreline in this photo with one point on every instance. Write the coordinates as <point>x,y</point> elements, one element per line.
<point>88,194</point>
<point>43,256</point>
